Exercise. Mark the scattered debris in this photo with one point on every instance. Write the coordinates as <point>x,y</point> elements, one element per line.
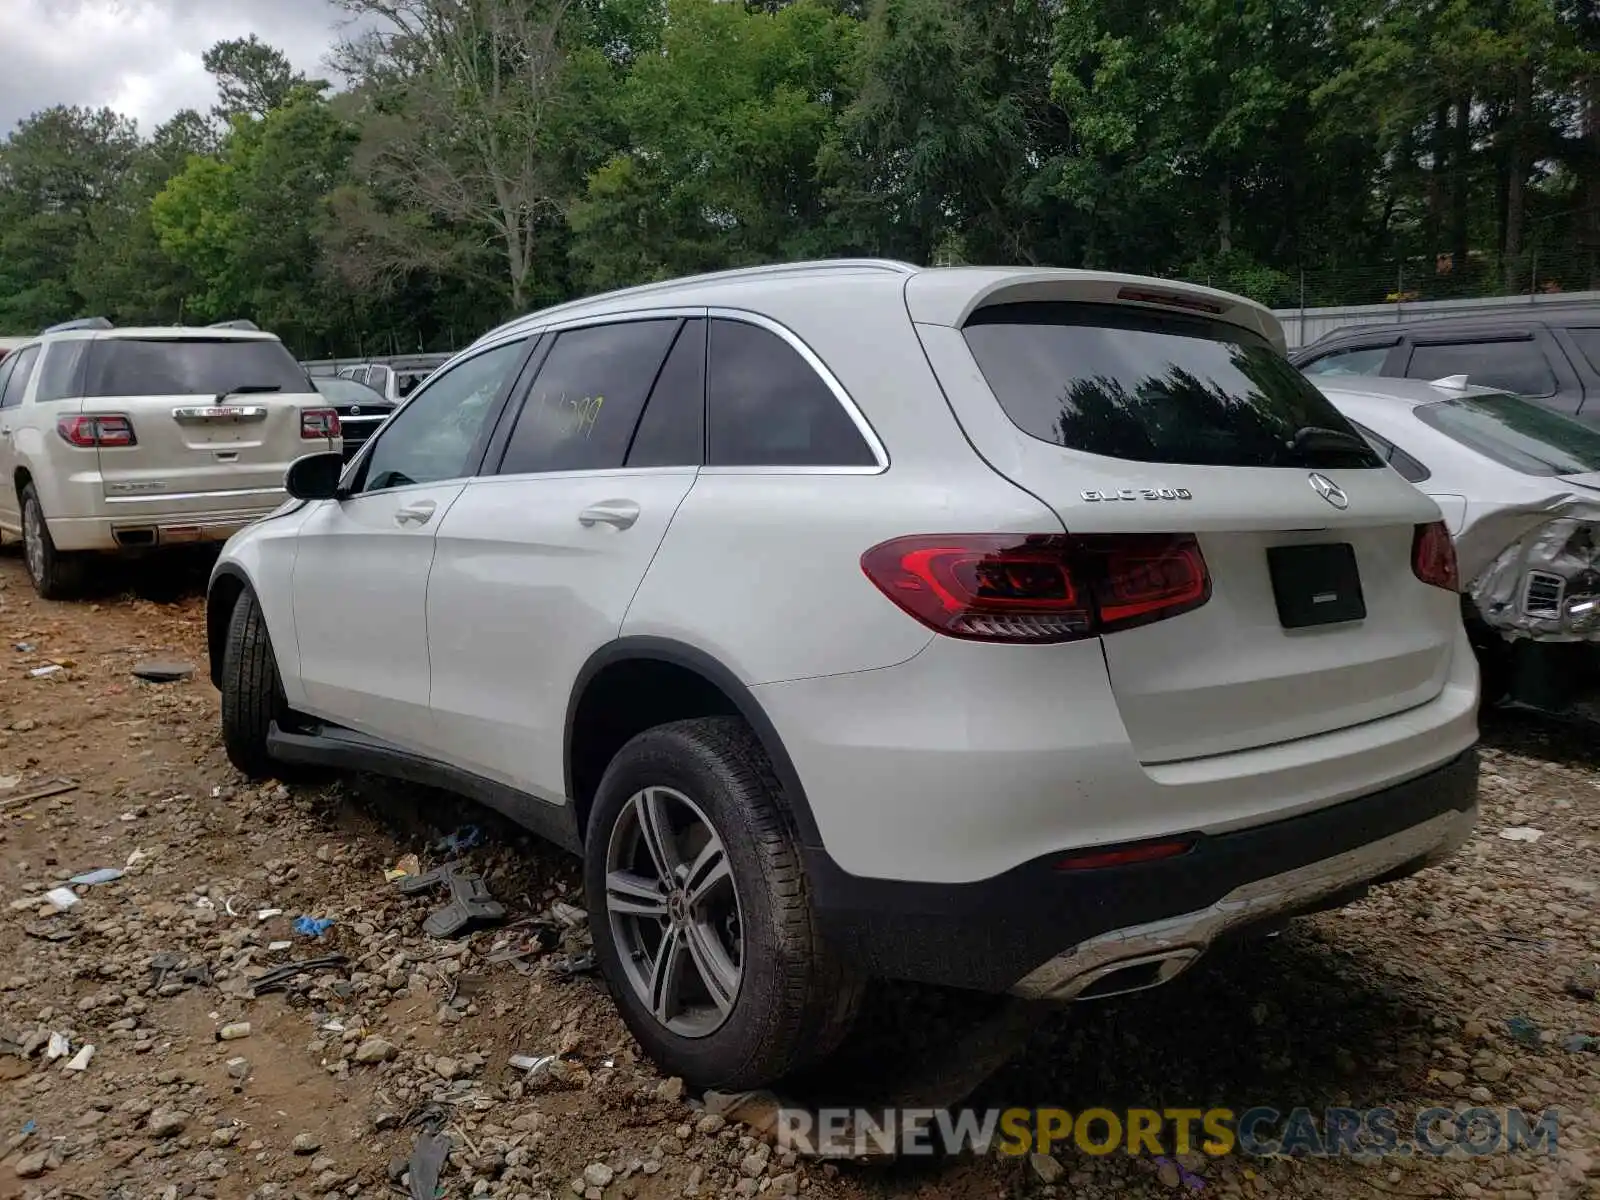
<point>266,914</point>
<point>41,793</point>
<point>470,902</point>
<point>279,978</point>
<point>59,1047</point>
<point>41,672</point>
<point>276,947</point>
<point>569,915</point>
<point>571,965</point>
<point>1577,1043</point>
<point>100,875</point>
<point>1522,833</point>
<point>428,1156</point>
<point>1523,1030</point>
<point>530,1064</point>
<point>407,866</point>
<point>80,1060</point>
<point>464,838</point>
<point>233,1032</point>
<point>313,926</point>
<point>161,670</point>
<point>62,898</point>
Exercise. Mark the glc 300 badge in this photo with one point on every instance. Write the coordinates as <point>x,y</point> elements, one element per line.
<point>1094,495</point>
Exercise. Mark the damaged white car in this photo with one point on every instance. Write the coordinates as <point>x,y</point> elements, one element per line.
<point>1519,487</point>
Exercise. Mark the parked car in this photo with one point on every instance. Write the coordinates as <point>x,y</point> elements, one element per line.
<point>1550,354</point>
<point>1519,487</point>
<point>756,589</point>
<point>396,378</point>
<point>361,410</point>
<point>131,439</point>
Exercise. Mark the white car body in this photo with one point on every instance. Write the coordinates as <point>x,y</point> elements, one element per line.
<point>517,628</point>
<point>1524,515</point>
<point>198,466</point>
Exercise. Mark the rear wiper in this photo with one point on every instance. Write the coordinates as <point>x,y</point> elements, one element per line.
<point>1316,437</point>
<point>248,389</point>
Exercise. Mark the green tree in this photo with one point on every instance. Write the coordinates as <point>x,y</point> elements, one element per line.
<point>252,77</point>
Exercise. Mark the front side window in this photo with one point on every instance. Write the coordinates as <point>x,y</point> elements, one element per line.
<point>432,438</point>
<point>1158,388</point>
<point>585,402</point>
<point>1525,437</point>
<point>1509,366</point>
<point>767,407</point>
<point>1358,360</point>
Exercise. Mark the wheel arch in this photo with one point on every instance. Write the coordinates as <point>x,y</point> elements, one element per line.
<point>228,583</point>
<point>590,741</point>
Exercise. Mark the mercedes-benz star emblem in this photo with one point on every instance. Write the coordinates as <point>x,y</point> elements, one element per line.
<point>1329,490</point>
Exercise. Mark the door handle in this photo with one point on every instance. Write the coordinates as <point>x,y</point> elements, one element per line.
<point>419,513</point>
<point>618,513</point>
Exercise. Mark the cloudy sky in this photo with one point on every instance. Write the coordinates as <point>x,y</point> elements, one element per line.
<point>141,57</point>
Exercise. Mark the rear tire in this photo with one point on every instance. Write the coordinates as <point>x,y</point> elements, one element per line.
<point>55,576</point>
<point>793,1002</point>
<point>252,692</point>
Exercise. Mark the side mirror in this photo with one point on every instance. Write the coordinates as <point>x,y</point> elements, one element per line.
<point>315,477</point>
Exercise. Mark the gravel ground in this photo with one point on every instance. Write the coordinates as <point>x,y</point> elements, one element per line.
<point>1470,984</point>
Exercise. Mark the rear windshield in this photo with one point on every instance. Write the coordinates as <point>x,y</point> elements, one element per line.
<point>1157,387</point>
<point>1516,433</point>
<point>191,367</point>
<point>348,391</point>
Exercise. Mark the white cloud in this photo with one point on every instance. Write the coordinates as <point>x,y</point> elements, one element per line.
<point>142,57</point>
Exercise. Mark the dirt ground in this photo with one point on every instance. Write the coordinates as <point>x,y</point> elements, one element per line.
<point>1470,984</point>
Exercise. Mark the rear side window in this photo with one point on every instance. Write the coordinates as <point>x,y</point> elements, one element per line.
<point>21,370</point>
<point>583,406</point>
<point>1358,360</point>
<point>1512,366</point>
<point>61,374</point>
<point>1525,437</point>
<point>767,407</point>
<point>1157,387</point>
<point>190,367</point>
<point>672,431</point>
<point>1410,469</point>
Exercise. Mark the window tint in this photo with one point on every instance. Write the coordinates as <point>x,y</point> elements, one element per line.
<point>61,374</point>
<point>1525,437</point>
<point>766,406</point>
<point>432,438</point>
<point>1410,469</point>
<point>1588,343</point>
<point>1511,366</point>
<point>585,402</point>
<point>21,372</point>
<point>348,391</point>
<point>1383,446</point>
<point>1156,387</point>
<point>1358,360</point>
<point>190,367</point>
<point>672,431</point>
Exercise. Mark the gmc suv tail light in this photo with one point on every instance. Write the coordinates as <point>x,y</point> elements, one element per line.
<point>1433,556</point>
<point>319,423</point>
<point>92,430</point>
<point>1040,588</point>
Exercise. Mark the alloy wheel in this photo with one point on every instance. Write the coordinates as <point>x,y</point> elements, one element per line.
<point>33,538</point>
<point>674,911</point>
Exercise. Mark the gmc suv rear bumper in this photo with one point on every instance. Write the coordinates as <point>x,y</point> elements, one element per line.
<point>1039,932</point>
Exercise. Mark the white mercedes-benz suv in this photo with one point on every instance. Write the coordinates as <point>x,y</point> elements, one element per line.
<point>1018,630</point>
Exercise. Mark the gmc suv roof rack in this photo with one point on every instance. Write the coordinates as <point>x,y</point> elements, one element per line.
<point>78,323</point>
<point>236,323</point>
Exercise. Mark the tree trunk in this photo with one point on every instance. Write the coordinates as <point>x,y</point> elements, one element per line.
<point>1225,216</point>
<point>1439,151</point>
<point>1460,188</point>
<point>1516,178</point>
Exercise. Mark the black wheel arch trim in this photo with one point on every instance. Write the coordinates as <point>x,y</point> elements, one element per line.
<point>680,654</point>
<point>223,570</point>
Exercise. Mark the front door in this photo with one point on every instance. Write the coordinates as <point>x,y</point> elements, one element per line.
<point>361,563</point>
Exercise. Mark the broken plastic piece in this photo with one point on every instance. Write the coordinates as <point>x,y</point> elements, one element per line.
<point>40,672</point>
<point>464,838</point>
<point>266,914</point>
<point>1522,833</point>
<point>80,1060</point>
<point>59,1047</point>
<point>427,1163</point>
<point>530,1064</point>
<point>470,901</point>
<point>313,926</point>
<point>62,898</point>
<point>569,915</point>
<point>102,875</point>
<point>277,979</point>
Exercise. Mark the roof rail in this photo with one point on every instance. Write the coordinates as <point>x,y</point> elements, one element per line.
<point>237,323</point>
<point>735,274</point>
<point>79,323</point>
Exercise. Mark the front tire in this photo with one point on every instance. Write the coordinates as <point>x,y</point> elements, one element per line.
<point>700,914</point>
<point>252,693</point>
<point>55,576</point>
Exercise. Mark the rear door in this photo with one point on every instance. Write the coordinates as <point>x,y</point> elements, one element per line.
<point>1129,418</point>
<point>211,415</point>
<point>539,559</point>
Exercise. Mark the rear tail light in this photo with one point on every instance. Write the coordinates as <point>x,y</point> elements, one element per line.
<point>91,430</point>
<point>1126,856</point>
<point>318,423</point>
<point>1040,588</point>
<point>1433,556</point>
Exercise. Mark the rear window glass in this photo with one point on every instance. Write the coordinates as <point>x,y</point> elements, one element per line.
<point>1588,343</point>
<point>190,367</point>
<point>1525,437</point>
<point>61,377</point>
<point>1157,387</point>
<point>1515,365</point>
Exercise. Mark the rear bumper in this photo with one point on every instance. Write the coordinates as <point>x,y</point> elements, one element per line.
<point>1046,934</point>
<point>132,531</point>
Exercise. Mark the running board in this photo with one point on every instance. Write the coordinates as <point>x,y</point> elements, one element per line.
<point>347,750</point>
